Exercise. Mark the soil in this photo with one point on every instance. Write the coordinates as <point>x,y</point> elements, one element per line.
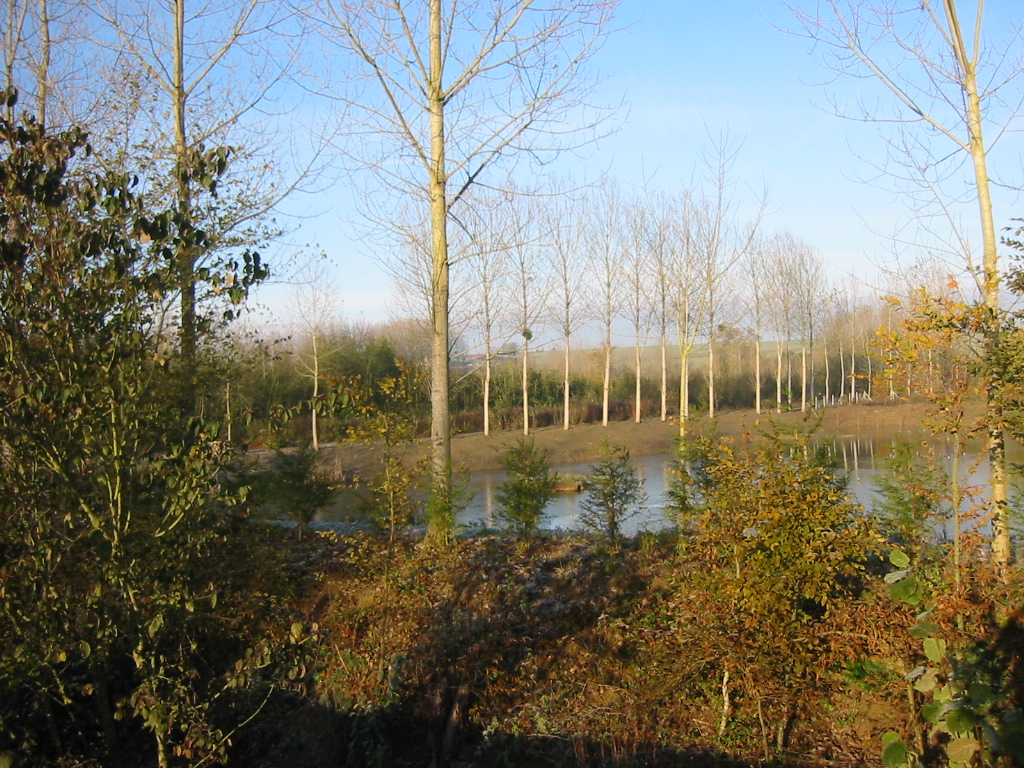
<point>582,442</point>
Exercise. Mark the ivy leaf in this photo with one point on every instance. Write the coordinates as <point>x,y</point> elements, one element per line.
<point>899,558</point>
<point>890,737</point>
<point>934,649</point>
<point>961,750</point>
<point>924,629</point>
<point>905,591</point>
<point>961,720</point>
<point>895,755</point>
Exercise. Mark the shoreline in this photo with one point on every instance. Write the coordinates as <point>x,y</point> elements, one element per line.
<point>582,442</point>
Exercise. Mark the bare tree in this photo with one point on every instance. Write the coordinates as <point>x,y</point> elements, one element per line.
<point>637,263</point>
<point>809,290</point>
<point>757,263</point>
<point>488,265</point>
<point>217,71</point>
<point>689,270</point>
<point>604,240</point>
<point>529,282</point>
<point>723,240</point>
<point>447,92</point>
<point>657,241</point>
<point>315,306</point>
<point>568,259</point>
<point>951,86</point>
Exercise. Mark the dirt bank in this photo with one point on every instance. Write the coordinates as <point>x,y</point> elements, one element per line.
<point>582,442</point>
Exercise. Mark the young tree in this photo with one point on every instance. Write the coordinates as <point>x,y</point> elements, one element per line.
<point>448,92</point>
<point>529,283</point>
<point>723,240</point>
<point>689,273</point>
<point>527,490</point>
<point>637,301</point>
<point>657,235</point>
<point>568,233</point>
<point>604,257</point>
<point>217,73</point>
<point>960,90</point>
<point>112,505</point>
<point>315,306</point>
<point>613,493</point>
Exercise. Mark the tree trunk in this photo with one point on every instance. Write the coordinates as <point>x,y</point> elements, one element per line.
<point>1002,552</point>
<point>664,377</point>
<point>439,524</point>
<point>637,393</point>
<point>316,393</point>
<point>842,372</point>
<point>711,380</point>
<point>607,379</point>
<point>853,371</point>
<point>778,376</point>
<point>185,257</point>
<point>565,387</point>
<point>487,390</point>
<point>43,75</point>
<point>526,386</point>
<point>828,388</point>
<point>757,374</point>
<point>803,377</point>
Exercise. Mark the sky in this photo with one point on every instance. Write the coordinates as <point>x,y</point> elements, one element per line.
<point>688,73</point>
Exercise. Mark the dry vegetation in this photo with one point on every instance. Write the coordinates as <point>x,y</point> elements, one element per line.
<point>561,653</point>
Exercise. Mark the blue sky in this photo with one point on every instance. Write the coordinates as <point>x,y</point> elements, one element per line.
<point>688,70</point>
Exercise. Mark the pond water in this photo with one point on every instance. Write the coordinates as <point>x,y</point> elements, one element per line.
<point>860,460</point>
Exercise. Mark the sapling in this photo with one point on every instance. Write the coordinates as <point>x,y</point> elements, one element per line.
<point>613,493</point>
<point>527,490</point>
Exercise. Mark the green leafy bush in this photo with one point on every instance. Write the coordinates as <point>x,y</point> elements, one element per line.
<point>527,490</point>
<point>298,486</point>
<point>613,493</point>
<point>114,508</point>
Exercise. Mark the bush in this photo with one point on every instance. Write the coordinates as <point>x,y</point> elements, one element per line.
<point>528,489</point>
<point>297,486</point>
<point>613,493</point>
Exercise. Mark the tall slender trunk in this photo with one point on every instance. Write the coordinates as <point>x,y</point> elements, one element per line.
<point>526,386</point>
<point>43,75</point>
<point>778,376</point>
<point>828,389</point>
<point>853,370</point>
<point>803,377</point>
<point>842,372</point>
<point>314,405</point>
<point>637,392</point>
<point>185,256</point>
<point>1002,552</point>
<point>664,376</point>
<point>607,376</point>
<point>487,388</point>
<point>757,374</point>
<point>566,386</point>
<point>711,379</point>
<point>439,525</point>
<point>789,373</point>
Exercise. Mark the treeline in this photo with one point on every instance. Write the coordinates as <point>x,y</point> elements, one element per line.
<point>847,363</point>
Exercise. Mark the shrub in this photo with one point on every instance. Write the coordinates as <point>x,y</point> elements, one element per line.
<point>298,487</point>
<point>613,493</point>
<point>527,490</point>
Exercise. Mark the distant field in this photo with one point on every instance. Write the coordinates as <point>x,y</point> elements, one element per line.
<point>592,360</point>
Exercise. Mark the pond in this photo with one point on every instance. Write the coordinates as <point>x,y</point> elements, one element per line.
<point>860,460</point>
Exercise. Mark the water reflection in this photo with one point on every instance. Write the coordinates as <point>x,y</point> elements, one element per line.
<point>861,460</point>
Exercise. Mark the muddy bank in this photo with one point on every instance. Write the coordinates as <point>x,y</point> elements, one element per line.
<point>582,442</point>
